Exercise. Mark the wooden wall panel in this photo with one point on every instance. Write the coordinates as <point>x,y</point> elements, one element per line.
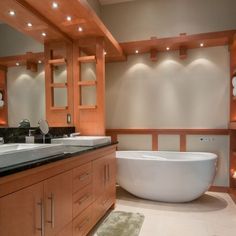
<point>3,90</point>
<point>155,132</point>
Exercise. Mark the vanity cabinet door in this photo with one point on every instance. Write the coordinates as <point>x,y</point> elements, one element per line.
<point>58,203</point>
<point>104,184</point>
<point>22,212</point>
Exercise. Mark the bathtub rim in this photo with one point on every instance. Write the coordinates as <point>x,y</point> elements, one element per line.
<point>208,156</point>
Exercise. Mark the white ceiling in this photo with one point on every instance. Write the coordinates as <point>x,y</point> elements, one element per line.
<point>106,2</point>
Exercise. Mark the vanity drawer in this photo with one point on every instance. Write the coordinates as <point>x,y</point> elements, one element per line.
<point>82,199</point>
<point>83,223</point>
<point>82,176</point>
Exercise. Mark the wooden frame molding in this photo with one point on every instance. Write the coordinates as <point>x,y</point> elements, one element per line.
<point>155,132</point>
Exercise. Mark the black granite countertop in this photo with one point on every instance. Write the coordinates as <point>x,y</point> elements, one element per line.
<point>69,151</point>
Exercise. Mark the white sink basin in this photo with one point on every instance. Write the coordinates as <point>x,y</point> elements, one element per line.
<point>11,154</point>
<point>89,141</point>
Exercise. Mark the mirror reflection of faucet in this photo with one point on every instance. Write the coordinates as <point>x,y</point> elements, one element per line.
<point>1,140</point>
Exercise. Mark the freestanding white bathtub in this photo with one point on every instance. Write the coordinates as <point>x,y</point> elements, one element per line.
<point>166,176</point>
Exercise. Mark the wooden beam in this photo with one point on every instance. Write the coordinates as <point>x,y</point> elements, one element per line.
<point>87,83</point>
<point>153,55</point>
<point>171,131</point>
<point>182,52</point>
<point>57,62</point>
<point>86,59</point>
<point>183,142</point>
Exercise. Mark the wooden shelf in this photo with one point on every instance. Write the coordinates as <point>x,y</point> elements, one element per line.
<point>87,83</point>
<point>59,108</point>
<point>87,107</point>
<point>57,62</point>
<point>87,59</point>
<point>59,85</point>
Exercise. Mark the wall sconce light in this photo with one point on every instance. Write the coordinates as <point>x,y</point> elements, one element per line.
<point>1,100</point>
<point>233,173</point>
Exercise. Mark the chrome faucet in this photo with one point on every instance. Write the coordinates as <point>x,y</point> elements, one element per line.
<point>74,134</point>
<point>1,140</point>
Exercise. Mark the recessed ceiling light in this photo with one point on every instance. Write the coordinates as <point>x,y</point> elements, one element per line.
<point>44,34</point>
<point>201,44</point>
<point>136,51</point>
<point>167,48</point>
<point>17,64</point>
<point>80,29</point>
<point>29,24</point>
<point>68,18</point>
<point>11,13</point>
<point>54,5</point>
<point>39,61</point>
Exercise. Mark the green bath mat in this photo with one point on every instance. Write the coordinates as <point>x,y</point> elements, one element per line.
<point>120,223</point>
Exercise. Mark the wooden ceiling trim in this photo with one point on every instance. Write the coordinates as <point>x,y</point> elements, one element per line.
<point>23,16</point>
<point>174,43</point>
<point>31,9</point>
<point>102,27</point>
<point>81,16</point>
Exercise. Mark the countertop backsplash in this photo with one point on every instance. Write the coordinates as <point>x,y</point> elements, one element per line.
<point>17,135</point>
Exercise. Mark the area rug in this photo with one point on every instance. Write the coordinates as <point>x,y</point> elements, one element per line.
<point>120,223</point>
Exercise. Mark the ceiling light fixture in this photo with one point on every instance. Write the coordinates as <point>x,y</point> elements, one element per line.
<point>44,34</point>
<point>11,13</point>
<point>39,61</point>
<point>80,29</point>
<point>167,48</point>
<point>136,51</point>
<point>29,24</point>
<point>54,5</point>
<point>68,18</point>
<point>17,64</point>
<point>201,44</point>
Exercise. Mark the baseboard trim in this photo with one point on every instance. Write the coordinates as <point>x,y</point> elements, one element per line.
<point>220,189</point>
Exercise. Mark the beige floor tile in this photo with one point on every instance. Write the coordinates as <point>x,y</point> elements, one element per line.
<point>214,214</point>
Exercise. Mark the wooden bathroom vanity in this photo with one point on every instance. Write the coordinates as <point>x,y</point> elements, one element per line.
<point>65,197</point>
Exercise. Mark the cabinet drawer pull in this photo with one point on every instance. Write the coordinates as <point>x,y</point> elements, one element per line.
<point>83,176</point>
<point>83,199</point>
<point>52,220</point>
<point>83,224</point>
<point>41,229</point>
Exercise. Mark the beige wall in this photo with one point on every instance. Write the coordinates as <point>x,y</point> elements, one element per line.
<point>143,19</point>
<point>170,93</point>
<point>96,6</point>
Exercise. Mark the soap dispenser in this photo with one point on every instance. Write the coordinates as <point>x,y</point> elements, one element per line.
<point>30,138</point>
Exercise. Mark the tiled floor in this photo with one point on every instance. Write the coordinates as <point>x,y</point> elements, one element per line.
<point>214,214</point>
